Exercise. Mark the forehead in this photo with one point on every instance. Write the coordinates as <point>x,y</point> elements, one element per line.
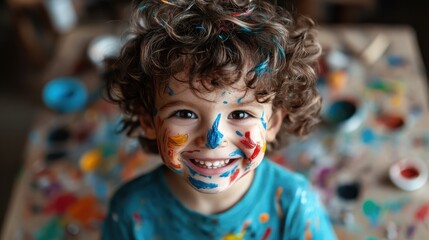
<point>178,86</point>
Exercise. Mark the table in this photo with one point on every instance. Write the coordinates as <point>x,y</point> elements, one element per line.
<point>60,196</point>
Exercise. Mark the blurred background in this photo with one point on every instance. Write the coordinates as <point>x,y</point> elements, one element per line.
<point>31,30</point>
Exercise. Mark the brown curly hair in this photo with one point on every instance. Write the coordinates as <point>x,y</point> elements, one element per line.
<point>214,40</point>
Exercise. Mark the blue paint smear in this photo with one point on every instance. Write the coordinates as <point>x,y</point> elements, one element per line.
<point>214,137</point>
<point>261,68</point>
<point>201,185</point>
<point>225,102</point>
<point>227,173</point>
<point>192,171</point>
<point>239,100</point>
<point>236,153</point>
<point>239,133</point>
<point>264,124</point>
<point>170,91</point>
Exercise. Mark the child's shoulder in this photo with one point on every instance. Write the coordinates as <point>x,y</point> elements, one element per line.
<point>141,187</point>
<point>285,178</point>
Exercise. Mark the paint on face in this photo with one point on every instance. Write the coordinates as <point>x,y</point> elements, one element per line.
<point>234,175</point>
<point>177,140</point>
<point>264,124</point>
<point>169,90</point>
<point>214,137</point>
<point>225,102</point>
<point>239,133</point>
<point>255,152</point>
<point>227,173</point>
<point>236,153</point>
<point>239,100</point>
<point>248,142</point>
<point>193,172</point>
<point>200,184</point>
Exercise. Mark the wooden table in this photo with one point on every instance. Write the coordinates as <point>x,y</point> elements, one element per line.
<point>49,195</point>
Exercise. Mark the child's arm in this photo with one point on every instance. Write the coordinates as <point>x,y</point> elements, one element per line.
<point>307,218</point>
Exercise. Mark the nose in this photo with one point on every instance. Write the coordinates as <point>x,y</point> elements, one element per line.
<point>214,138</point>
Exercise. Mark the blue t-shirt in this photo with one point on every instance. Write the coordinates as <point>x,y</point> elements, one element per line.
<point>278,205</point>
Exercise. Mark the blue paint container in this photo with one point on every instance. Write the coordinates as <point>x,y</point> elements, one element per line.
<point>65,94</point>
<point>344,114</point>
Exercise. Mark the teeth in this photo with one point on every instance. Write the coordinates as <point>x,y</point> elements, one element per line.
<point>212,165</point>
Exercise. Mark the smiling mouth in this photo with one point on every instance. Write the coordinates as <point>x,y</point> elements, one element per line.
<point>212,164</point>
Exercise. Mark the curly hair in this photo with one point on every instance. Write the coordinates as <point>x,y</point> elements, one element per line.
<point>214,40</point>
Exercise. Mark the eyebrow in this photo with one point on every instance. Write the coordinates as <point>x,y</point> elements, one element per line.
<point>173,104</point>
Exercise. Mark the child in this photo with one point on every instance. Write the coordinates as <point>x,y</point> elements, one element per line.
<point>210,84</point>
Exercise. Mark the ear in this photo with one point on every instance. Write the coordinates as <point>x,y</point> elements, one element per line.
<point>148,126</point>
<point>274,124</point>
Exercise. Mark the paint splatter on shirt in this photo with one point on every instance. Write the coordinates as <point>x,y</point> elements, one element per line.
<point>255,216</point>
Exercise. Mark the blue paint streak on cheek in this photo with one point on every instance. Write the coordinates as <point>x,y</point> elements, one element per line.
<point>237,153</point>
<point>192,171</point>
<point>227,173</point>
<point>225,102</point>
<point>239,100</point>
<point>239,133</point>
<point>214,137</point>
<point>264,124</point>
<point>202,185</point>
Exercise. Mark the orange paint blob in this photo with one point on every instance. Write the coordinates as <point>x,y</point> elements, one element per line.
<point>264,217</point>
<point>177,140</point>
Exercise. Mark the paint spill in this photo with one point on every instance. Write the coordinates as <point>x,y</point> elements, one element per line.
<point>200,184</point>
<point>214,137</point>
<point>372,211</point>
<point>422,213</point>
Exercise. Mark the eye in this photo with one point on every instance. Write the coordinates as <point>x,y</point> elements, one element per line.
<point>185,114</point>
<point>239,115</point>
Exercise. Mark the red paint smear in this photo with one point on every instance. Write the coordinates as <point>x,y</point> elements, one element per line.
<point>234,175</point>
<point>422,213</point>
<point>391,121</point>
<point>137,217</point>
<point>410,172</point>
<point>192,151</point>
<point>248,142</point>
<point>267,234</point>
<point>255,153</point>
<point>61,203</point>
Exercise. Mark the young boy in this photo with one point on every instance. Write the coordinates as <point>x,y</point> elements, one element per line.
<point>211,84</point>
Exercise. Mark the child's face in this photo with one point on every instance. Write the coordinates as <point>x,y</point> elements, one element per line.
<point>215,141</point>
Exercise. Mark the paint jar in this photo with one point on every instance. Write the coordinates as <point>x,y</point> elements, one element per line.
<point>408,174</point>
<point>344,114</point>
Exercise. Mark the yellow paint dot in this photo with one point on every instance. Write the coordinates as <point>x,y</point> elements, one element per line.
<point>90,160</point>
<point>264,217</point>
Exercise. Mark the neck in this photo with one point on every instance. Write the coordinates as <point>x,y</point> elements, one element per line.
<point>207,203</point>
